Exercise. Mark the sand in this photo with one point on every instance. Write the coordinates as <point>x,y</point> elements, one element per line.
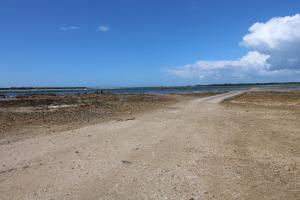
<point>194,149</point>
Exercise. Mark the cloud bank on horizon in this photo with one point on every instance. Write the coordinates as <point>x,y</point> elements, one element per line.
<point>274,53</point>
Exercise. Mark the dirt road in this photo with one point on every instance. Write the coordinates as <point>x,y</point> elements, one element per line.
<point>198,149</point>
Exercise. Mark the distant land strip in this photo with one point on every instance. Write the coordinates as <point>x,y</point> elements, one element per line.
<point>158,87</point>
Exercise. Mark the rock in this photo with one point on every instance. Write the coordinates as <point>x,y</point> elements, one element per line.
<point>132,118</point>
<point>126,162</point>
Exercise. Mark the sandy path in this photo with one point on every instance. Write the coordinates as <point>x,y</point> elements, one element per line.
<point>192,150</point>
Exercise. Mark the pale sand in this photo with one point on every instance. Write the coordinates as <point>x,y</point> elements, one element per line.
<point>198,149</point>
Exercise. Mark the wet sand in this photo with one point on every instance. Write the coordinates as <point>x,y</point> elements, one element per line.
<point>246,147</point>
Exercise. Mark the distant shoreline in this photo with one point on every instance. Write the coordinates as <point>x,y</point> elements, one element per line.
<point>158,87</point>
<point>43,88</point>
<point>254,84</point>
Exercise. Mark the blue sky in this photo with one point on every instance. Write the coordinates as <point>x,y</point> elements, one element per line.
<point>112,43</point>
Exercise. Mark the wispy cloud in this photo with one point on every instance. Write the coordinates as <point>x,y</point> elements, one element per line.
<point>69,28</point>
<point>103,28</point>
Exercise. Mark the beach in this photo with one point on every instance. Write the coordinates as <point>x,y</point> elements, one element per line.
<point>236,145</point>
<point>29,115</point>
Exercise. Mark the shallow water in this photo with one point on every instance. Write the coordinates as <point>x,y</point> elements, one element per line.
<point>150,90</point>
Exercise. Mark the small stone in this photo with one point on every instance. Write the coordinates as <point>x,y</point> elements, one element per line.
<point>132,118</point>
<point>25,167</point>
<point>126,162</point>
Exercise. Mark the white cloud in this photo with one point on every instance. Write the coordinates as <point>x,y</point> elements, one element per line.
<point>205,68</point>
<point>103,28</point>
<point>275,52</point>
<point>69,28</point>
<point>280,38</point>
<point>274,34</point>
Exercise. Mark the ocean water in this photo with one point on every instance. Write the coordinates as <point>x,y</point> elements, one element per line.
<point>149,90</point>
